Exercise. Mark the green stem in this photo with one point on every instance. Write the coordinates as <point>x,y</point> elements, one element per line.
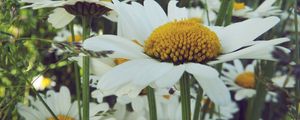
<point>86,72</point>
<point>198,104</point>
<point>77,76</point>
<point>151,103</point>
<point>207,12</point>
<point>222,12</point>
<point>296,56</point>
<point>229,13</point>
<point>185,97</point>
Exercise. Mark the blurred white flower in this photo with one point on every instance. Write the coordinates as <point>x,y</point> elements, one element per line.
<point>242,80</point>
<point>41,83</point>
<point>60,103</point>
<point>265,9</point>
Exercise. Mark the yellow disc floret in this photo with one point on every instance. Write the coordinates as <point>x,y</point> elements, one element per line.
<point>61,117</point>
<point>238,5</point>
<point>77,38</point>
<point>46,82</point>
<point>183,41</point>
<point>246,80</point>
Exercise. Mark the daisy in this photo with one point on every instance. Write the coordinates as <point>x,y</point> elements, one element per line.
<point>66,10</point>
<point>41,83</point>
<point>60,103</point>
<point>242,80</point>
<point>263,10</point>
<point>160,48</point>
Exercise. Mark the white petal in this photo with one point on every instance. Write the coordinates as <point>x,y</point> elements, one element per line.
<point>170,78</point>
<point>245,93</point>
<point>123,73</point>
<point>175,12</point>
<point>241,34</point>
<point>156,15</point>
<point>65,100</point>
<point>265,6</point>
<point>239,66</point>
<point>97,67</point>
<point>151,71</point>
<point>262,50</point>
<point>132,22</point>
<point>60,18</point>
<point>26,112</point>
<point>121,47</point>
<point>210,82</point>
<point>95,108</point>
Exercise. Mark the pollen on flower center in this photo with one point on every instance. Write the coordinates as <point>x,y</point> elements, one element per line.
<point>238,5</point>
<point>46,82</point>
<point>77,38</point>
<point>61,117</point>
<point>183,41</point>
<point>246,80</point>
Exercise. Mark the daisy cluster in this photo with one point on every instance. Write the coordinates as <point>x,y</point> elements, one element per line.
<point>171,62</point>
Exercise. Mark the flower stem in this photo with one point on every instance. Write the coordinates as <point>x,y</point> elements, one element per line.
<point>86,72</point>
<point>151,103</point>
<point>296,56</point>
<point>222,12</point>
<point>77,76</point>
<point>198,104</point>
<point>185,97</point>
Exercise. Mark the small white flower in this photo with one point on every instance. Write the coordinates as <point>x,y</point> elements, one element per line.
<point>265,9</point>
<point>60,103</point>
<point>41,83</point>
<point>242,80</point>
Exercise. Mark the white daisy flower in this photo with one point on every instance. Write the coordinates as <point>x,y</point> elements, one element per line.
<point>60,103</point>
<point>65,10</point>
<point>265,9</point>
<point>167,46</point>
<point>242,80</point>
<point>41,83</point>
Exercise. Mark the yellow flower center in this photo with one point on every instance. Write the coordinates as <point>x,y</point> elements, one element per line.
<point>77,38</point>
<point>238,5</point>
<point>183,41</point>
<point>61,117</point>
<point>46,82</point>
<point>119,61</point>
<point>246,80</point>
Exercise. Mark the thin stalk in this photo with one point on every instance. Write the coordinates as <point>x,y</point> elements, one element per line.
<point>185,97</point>
<point>26,94</point>
<point>86,71</point>
<point>296,56</point>
<point>229,13</point>
<point>222,12</point>
<point>263,73</point>
<point>151,103</point>
<point>198,104</point>
<point>77,76</point>
<point>207,13</point>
